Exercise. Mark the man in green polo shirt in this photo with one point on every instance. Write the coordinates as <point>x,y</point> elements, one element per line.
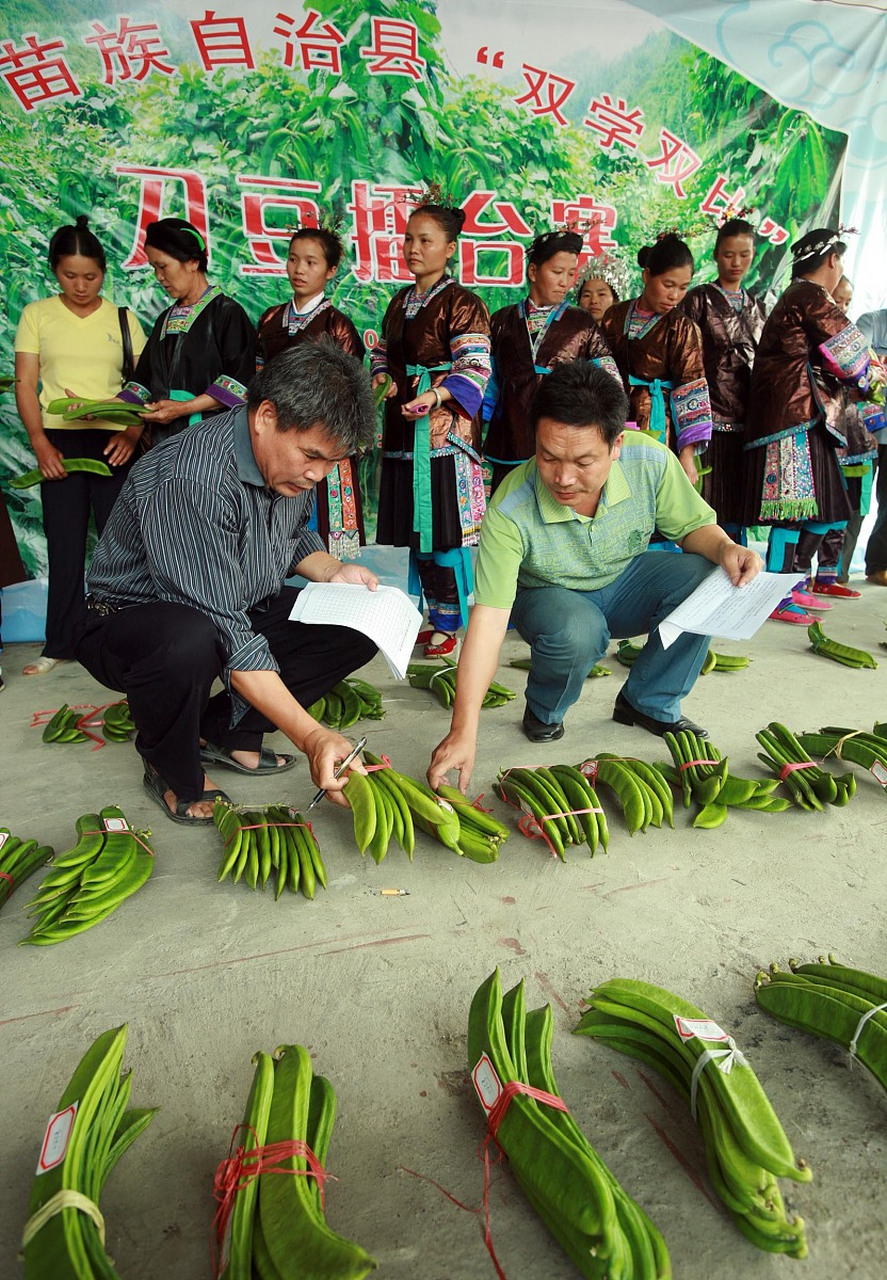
<point>564,554</point>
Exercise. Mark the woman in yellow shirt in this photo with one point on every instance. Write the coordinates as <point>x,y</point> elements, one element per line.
<point>72,344</point>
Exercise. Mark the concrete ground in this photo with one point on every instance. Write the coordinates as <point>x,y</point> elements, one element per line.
<point>378,987</point>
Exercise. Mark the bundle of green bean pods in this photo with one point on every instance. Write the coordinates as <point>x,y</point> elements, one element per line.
<point>387,805</point>
<point>64,1238</point>
<point>272,838</point>
<point>64,726</point>
<point>703,776</point>
<point>866,749</point>
<point>441,681</point>
<point>808,786</point>
<point>18,860</point>
<point>347,702</point>
<point>109,862</point>
<point>838,652</point>
<point>272,1189</point>
<point>607,1235</point>
<point>746,1148</point>
<point>834,1001</point>
<point>117,722</point>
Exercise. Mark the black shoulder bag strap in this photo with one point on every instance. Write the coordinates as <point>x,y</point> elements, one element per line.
<point>129,363</point>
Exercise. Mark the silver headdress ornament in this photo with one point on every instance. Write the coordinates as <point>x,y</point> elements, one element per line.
<point>611,269</point>
<point>824,242</point>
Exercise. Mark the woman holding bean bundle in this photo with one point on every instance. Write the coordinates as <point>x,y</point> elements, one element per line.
<point>312,262</point>
<point>72,344</point>
<point>435,347</point>
<point>202,350</point>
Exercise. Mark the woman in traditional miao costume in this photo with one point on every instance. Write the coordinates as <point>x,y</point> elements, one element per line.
<point>730,320</point>
<point>527,340</point>
<point>202,349</point>
<point>435,346</point>
<point>658,351</point>
<point>808,351</point>
<point>601,284</point>
<point>312,262</point>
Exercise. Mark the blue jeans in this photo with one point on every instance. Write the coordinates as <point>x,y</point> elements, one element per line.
<point>569,631</point>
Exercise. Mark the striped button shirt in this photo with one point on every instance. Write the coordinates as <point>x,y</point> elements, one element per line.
<point>195,524</point>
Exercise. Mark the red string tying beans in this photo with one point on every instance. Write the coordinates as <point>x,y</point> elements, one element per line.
<point>494,1119</point>
<point>128,832</point>
<point>689,764</point>
<point>239,1168</point>
<point>795,764</point>
<point>4,875</point>
<point>374,768</point>
<point>263,826</point>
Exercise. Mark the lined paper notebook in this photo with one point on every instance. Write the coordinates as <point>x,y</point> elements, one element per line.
<point>387,615</point>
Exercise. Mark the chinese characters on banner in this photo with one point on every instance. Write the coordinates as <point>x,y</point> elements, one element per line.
<point>36,72</point>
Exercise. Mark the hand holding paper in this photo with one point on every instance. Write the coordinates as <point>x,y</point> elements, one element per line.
<point>718,608</point>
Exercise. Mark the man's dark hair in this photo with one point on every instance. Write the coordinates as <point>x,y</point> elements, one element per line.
<point>317,384</point>
<point>579,394</point>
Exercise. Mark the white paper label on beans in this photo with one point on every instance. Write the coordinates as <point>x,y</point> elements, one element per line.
<point>688,1028</point>
<point>56,1138</point>
<point>486,1082</point>
<point>879,772</point>
<point>4,836</point>
<point>116,824</point>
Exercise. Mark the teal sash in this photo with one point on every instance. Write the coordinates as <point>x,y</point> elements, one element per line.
<point>186,395</point>
<point>658,422</point>
<point>422,522</point>
<point>456,558</point>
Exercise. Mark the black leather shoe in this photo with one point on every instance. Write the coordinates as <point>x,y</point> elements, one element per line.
<point>537,731</point>
<point>625,713</point>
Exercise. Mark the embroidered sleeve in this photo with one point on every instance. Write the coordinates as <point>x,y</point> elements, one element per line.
<point>228,391</point>
<point>847,356</point>
<point>379,358</point>
<point>874,419</point>
<point>135,393</point>
<point>609,365</point>
<point>692,413</point>
<point>470,372</point>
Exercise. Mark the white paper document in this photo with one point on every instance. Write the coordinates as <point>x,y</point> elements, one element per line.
<point>717,608</point>
<point>386,615</point>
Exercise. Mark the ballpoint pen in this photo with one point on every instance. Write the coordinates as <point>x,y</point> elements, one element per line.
<point>352,755</point>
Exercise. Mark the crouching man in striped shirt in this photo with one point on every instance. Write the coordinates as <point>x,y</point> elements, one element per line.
<point>564,554</point>
<point>187,584</point>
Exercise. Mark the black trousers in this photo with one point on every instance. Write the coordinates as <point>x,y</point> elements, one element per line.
<point>67,505</point>
<point>165,658</point>
<point>876,547</point>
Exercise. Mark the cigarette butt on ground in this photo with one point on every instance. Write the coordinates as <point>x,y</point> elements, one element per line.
<point>394,893</point>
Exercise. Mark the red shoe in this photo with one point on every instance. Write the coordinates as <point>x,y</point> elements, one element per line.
<point>444,649</point>
<point>424,637</point>
<point>806,601</point>
<point>834,589</point>
<point>791,613</point>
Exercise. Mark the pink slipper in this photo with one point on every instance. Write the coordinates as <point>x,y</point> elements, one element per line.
<point>809,602</point>
<point>791,613</point>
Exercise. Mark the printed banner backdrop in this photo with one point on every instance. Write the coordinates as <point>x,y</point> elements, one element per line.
<point>250,120</point>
